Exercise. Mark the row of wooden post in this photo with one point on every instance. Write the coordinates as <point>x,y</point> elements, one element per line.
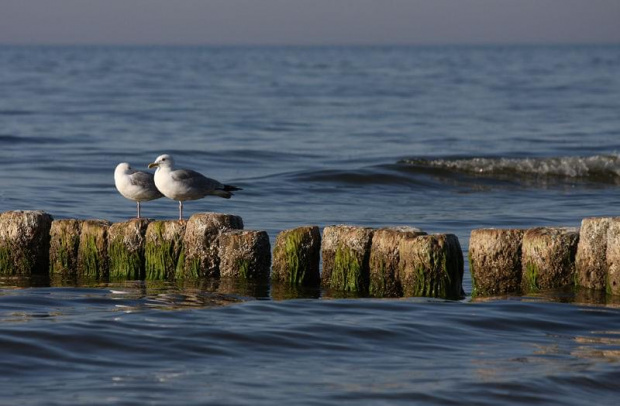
<point>386,262</point>
<point>504,261</point>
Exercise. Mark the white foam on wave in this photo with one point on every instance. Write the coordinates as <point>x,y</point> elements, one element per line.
<point>596,166</point>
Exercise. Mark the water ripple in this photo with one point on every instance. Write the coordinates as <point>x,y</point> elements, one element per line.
<point>352,350</point>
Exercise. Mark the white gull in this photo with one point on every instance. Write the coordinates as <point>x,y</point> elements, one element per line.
<point>135,185</point>
<point>185,184</point>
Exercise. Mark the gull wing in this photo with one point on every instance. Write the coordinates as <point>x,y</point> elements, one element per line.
<point>144,180</point>
<point>197,181</point>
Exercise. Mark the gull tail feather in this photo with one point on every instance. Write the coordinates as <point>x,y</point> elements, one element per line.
<point>222,193</point>
<point>226,191</point>
<point>231,188</point>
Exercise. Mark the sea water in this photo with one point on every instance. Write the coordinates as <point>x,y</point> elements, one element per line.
<point>446,139</point>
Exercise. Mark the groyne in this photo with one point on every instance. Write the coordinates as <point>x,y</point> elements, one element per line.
<point>521,261</point>
<point>384,262</point>
<point>379,262</point>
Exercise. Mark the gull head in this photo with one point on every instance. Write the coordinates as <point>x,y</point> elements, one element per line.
<point>162,161</point>
<point>123,169</point>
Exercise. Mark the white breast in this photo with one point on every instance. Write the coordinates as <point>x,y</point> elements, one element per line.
<point>167,186</point>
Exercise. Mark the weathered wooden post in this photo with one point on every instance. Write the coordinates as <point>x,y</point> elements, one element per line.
<point>163,247</point>
<point>346,256</point>
<point>495,261</point>
<point>432,266</point>
<point>126,249</point>
<point>92,257</point>
<point>64,244</point>
<point>548,257</point>
<point>24,243</point>
<point>385,258</point>
<point>612,284</point>
<point>591,258</point>
<point>245,254</point>
<point>200,244</point>
<point>296,256</point>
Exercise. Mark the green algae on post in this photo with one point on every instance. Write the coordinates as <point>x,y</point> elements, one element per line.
<point>163,248</point>
<point>346,254</point>
<point>64,245</point>
<point>530,277</point>
<point>126,249</point>
<point>24,243</point>
<point>432,266</point>
<point>245,254</point>
<point>495,261</point>
<point>347,271</point>
<point>384,260</point>
<point>200,244</point>
<point>548,257</point>
<point>296,256</point>
<point>92,258</point>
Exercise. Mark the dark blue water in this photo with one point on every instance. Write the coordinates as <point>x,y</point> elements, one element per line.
<point>443,138</point>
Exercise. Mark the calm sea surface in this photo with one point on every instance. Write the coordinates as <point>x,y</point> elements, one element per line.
<point>446,139</point>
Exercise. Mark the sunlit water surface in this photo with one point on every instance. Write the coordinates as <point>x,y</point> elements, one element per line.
<point>447,139</point>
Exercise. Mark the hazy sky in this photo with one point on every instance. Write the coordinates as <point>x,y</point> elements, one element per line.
<point>308,21</point>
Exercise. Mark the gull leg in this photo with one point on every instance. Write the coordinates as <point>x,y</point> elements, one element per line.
<point>180,210</point>
<point>138,203</point>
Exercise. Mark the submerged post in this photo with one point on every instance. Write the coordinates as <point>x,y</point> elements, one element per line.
<point>245,254</point>
<point>612,283</point>
<point>385,258</point>
<point>126,249</point>
<point>591,258</point>
<point>495,261</point>
<point>64,244</point>
<point>346,255</point>
<point>24,243</point>
<point>200,244</point>
<point>432,266</point>
<point>163,248</point>
<point>548,257</point>
<point>92,257</point>
<point>296,256</point>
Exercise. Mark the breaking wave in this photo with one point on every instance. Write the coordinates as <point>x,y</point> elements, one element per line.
<point>602,168</point>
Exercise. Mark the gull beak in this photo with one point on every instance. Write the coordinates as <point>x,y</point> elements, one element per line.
<point>153,165</point>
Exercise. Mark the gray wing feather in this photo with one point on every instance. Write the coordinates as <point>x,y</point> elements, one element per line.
<point>196,180</point>
<point>145,180</point>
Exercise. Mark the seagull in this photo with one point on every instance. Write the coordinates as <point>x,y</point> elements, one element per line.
<point>185,184</point>
<point>135,185</point>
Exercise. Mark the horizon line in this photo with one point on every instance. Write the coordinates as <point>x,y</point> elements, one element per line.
<point>309,45</point>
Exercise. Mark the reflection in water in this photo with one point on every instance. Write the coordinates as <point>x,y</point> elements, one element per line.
<point>521,350</point>
<point>568,294</point>
<point>214,291</point>
<point>126,296</point>
<point>603,345</point>
<point>553,356</point>
<point>283,291</point>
